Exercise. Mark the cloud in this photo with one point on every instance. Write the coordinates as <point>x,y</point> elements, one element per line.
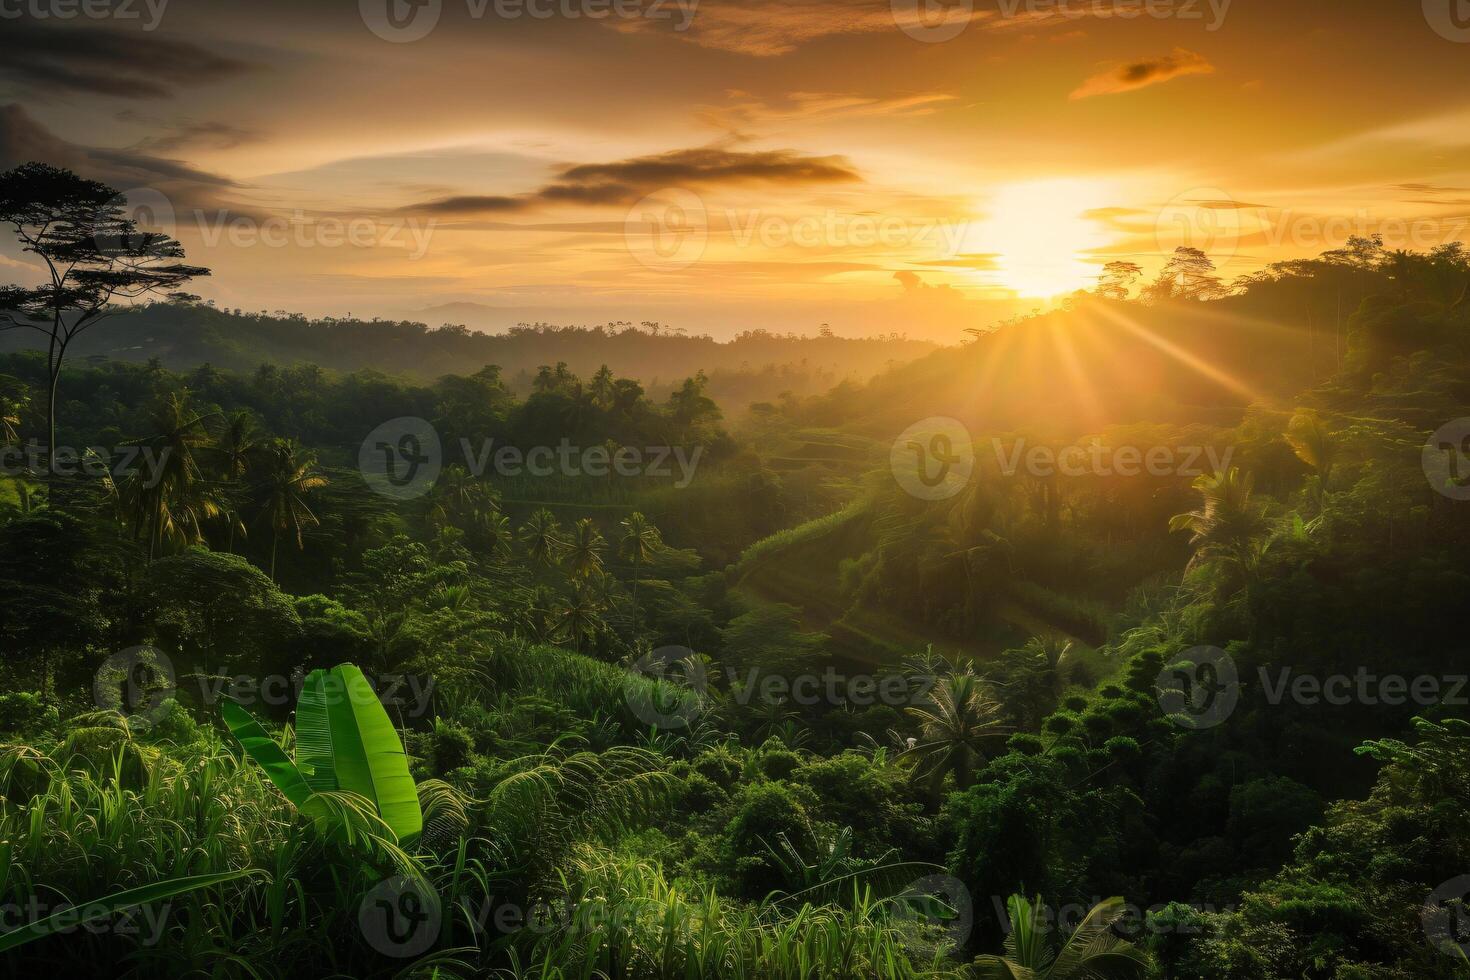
<point>471,204</point>
<point>627,181</point>
<point>748,112</point>
<point>1431,189</point>
<point>1141,74</point>
<point>768,28</point>
<point>1226,205</point>
<point>23,139</point>
<point>111,63</point>
<point>174,136</point>
<point>972,261</point>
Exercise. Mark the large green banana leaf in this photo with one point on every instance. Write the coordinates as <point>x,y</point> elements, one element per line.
<point>314,744</point>
<point>264,750</point>
<point>344,741</point>
<point>367,756</point>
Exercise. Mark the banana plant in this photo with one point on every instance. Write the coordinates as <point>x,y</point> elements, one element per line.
<point>345,744</point>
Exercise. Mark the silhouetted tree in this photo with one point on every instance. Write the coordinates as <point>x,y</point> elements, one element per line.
<point>93,253</point>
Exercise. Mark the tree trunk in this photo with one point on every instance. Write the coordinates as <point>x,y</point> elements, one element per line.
<point>275,540</point>
<point>635,600</point>
<point>53,384</point>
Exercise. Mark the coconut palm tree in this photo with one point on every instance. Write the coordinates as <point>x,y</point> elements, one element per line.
<point>171,499</point>
<point>579,617</point>
<point>458,498</point>
<point>498,535</point>
<point>954,728</point>
<point>1052,651</point>
<point>1091,952</point>
<point>236,448</point>
<point>582,554</point>
<point>541,535</point>
<point>1315,445</point>
<point>539,621</point>
<point>287,475</point>
<point>639,543</point>
<point>1227,525</point>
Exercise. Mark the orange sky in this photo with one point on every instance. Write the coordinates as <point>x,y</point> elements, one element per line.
<point>745,163</point>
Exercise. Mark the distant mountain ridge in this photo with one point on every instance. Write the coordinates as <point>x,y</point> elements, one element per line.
<point>184,335</point>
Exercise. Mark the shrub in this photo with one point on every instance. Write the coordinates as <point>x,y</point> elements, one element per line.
<point>719,766</point>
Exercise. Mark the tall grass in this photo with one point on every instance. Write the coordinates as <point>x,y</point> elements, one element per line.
<point>590,688</point>
<point>76,827</point>
<point>622,918</point>
<point>806,533</point>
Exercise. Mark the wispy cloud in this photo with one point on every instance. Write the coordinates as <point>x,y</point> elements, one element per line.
<point>23,139</point>
<point>95,61</point>
<point>749,112</point>
<point>768,28</point>
<point>1141,74</point>
<point>626,181</point>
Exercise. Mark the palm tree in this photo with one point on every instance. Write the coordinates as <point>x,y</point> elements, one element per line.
<point>287,475</point>
<point>953,729</point>
<point>639,543</point>
<point>457,498</point>
<point>1227,524</point>
<point>540,619</point>
<point>583,552</point>
<point>1091,952</point>
<point>1052,651</point>
<point>172,500</point>
<point>578,619</point>
<point>235,450</point>
<point>498,535</point>
<point>541,535</point>
<point>1314,444</point>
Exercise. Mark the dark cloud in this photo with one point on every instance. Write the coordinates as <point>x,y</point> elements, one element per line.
<point>23,139</point>
<point>174,136</point>
<point>1146,72</point>
<point>709,165</point>
<point>471,204</point>
<point>94,61</point>
<point>626,181</point>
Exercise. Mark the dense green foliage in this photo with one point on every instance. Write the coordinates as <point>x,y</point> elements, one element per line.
<point>594,680</point>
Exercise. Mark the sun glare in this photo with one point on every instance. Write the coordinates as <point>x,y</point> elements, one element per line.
<point>1041,236</point>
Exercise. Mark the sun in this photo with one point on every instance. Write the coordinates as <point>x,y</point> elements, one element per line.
<point>1040,233</point>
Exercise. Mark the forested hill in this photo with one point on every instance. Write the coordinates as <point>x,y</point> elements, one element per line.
<point>756,364</point>
<point>1101,362</point>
